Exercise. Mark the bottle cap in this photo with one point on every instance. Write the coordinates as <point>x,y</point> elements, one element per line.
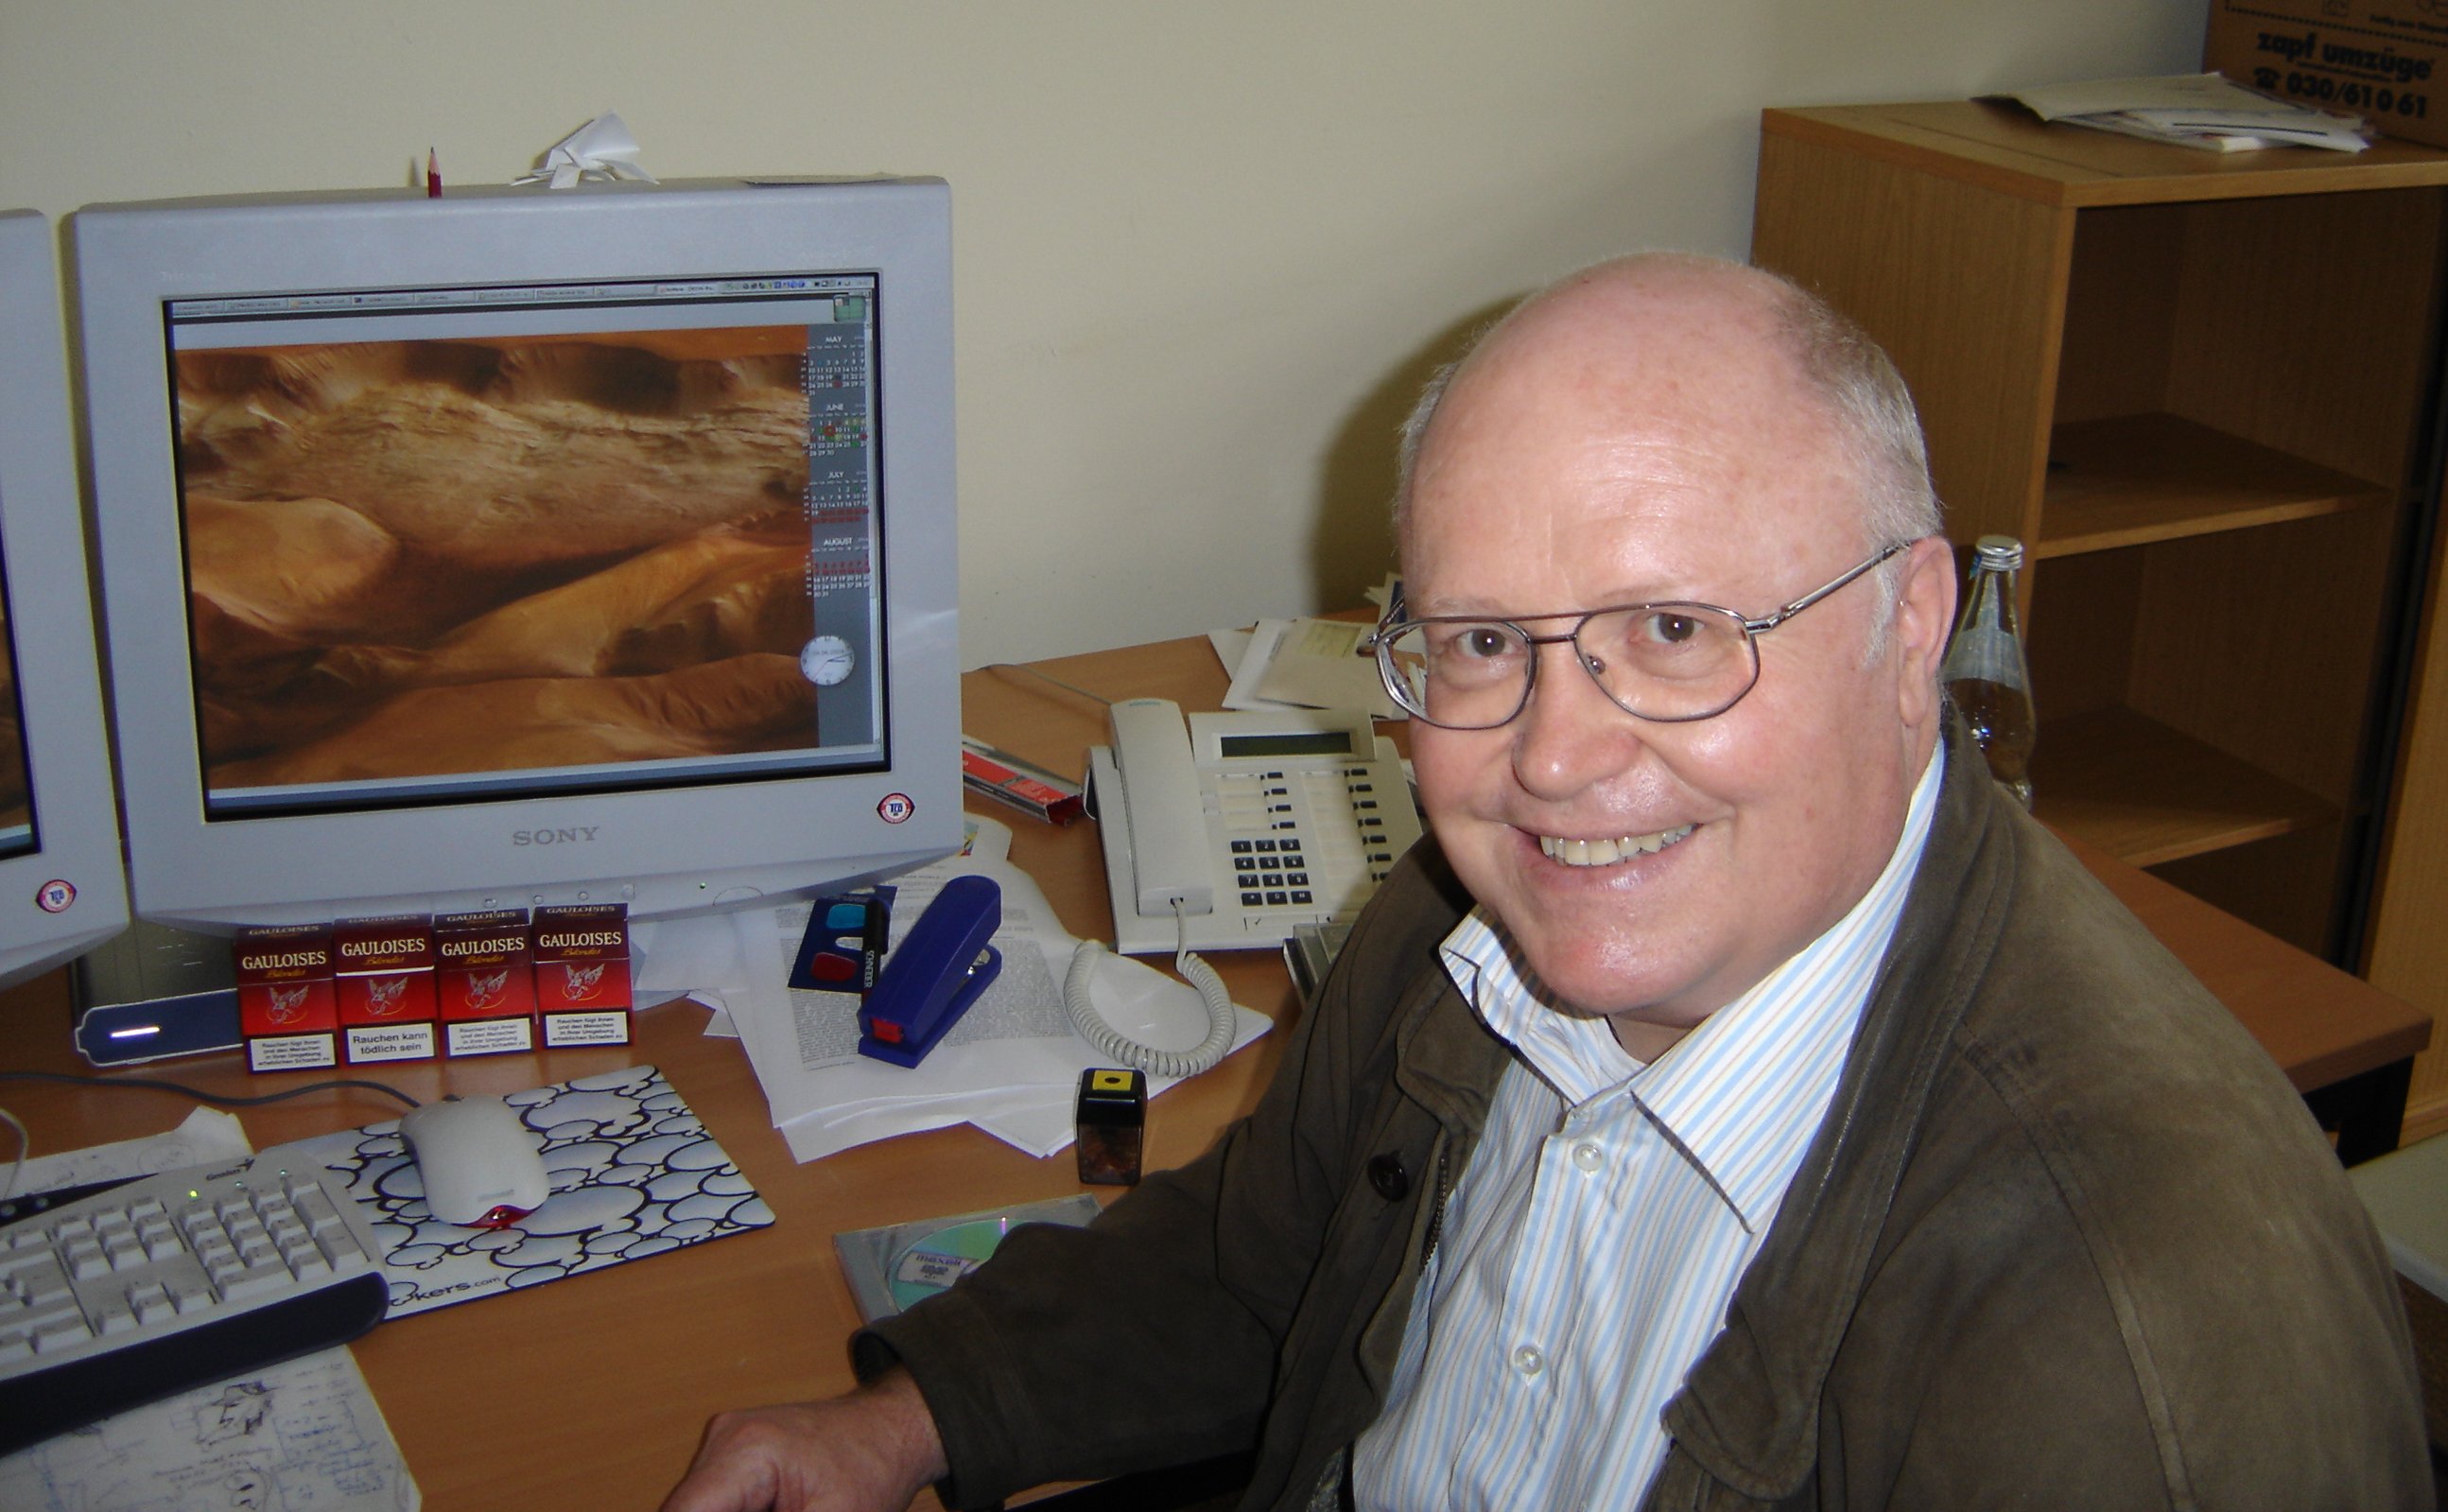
<point>2002,552</point>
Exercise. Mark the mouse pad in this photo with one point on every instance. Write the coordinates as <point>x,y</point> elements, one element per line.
<point>633,1171</point>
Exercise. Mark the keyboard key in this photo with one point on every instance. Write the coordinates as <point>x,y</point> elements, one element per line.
<point>56,1333</point>
<point>258,1280</point>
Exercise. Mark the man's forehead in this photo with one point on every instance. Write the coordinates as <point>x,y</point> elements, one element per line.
<point>1670,341</point>
<point>1619,391</point>
<point>1666,444</point>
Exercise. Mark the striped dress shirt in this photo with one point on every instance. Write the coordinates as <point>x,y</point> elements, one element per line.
<point>1592,1243</point>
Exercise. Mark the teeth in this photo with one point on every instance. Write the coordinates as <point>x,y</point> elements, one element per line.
<point>1607,853</point>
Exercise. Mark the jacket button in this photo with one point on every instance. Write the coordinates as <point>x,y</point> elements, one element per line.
<point>1387,1174</point>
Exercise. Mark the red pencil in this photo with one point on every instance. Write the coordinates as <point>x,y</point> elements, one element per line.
<point>433,176</point>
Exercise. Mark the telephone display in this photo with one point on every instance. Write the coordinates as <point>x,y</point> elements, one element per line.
<point>1244,824</point>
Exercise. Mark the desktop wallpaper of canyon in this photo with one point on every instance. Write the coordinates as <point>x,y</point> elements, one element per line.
<point>414,559</point>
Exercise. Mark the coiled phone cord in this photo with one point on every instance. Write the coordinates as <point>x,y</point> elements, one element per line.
<point>1123,1051</point>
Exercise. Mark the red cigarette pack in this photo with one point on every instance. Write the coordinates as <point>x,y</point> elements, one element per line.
<point>582,973</point>
<point>382,969</point>
<point>484,982</point>
<point>286,1008</point>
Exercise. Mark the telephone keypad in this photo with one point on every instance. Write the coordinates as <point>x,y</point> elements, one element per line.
<point>1312,841</point>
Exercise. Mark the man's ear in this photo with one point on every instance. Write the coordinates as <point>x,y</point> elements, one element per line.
<point>1925,616</point>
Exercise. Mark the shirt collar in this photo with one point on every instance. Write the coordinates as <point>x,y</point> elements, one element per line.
<point>1743,1091</point>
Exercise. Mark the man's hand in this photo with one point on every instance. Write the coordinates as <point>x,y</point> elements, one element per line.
<point>869,1451</point>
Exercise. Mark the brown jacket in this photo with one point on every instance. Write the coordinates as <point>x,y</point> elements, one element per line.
<point>2065,1239</point>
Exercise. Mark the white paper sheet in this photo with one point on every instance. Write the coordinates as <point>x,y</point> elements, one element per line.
<point>1011,1066</point>
<point>2196,111</point>
<point>301,1436</point>
<point>206,1134</point>
<point>1317,664</point>
<point>1249,666</point>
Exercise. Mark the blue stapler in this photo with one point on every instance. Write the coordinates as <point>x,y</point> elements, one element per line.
<point>934,975</point>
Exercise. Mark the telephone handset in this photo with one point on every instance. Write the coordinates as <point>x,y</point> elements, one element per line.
<point>1165,823</point>
<point>1225,833</point>
<point>1168,843</point>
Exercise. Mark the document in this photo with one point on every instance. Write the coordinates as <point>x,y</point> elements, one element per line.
<point>301,1436</point>
<point>2194,110</point>
<point>1305,664</point>
<point>206,1134</point>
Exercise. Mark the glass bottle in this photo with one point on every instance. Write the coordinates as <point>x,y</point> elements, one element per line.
<point>1984,670</point>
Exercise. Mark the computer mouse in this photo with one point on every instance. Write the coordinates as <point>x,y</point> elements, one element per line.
<point>478,1162</point>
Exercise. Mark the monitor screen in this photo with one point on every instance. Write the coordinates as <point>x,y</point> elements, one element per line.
<point>526,547</point>
<point>61,887</point>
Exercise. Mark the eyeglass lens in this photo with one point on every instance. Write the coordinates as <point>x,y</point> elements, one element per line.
<point>1659,661</point>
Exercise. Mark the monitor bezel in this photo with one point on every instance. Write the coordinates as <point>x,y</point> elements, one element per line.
<point>42,552</point>
<point>662,849</point>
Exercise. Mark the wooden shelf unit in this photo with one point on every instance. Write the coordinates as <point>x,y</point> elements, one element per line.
<point>2192,384</point>
<point>2128,480</point>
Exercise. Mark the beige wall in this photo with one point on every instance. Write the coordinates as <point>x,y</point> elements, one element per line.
<point>1204,249</point>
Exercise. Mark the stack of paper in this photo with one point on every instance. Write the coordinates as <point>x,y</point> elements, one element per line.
<point>1012,1064</point>
<point>1305,664</point>
<point>2194,110</point>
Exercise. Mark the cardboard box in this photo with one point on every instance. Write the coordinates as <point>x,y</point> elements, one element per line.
<point>2383,60</point>
<point>582,973</point>
<point>286,1008</point>
<point>484,982</point>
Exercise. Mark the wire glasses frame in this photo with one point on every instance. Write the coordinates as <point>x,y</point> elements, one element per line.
<point>1669,663</point>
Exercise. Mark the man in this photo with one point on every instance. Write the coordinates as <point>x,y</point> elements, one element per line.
<point>1739,1102</point>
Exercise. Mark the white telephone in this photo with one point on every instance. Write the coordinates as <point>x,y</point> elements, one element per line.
<point>1225,834</point>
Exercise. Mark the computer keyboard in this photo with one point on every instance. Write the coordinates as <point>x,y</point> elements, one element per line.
<point>174,1281</point>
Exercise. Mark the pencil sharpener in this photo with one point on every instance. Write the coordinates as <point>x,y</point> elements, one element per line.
<point>1112,1119</point>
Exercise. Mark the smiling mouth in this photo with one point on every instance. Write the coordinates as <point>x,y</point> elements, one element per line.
<point>1607,853</point>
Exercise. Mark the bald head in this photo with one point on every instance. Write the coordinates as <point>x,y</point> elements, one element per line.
<point>1626,316</point>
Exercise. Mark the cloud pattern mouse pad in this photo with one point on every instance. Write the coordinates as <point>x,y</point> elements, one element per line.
<point>633,1172</point>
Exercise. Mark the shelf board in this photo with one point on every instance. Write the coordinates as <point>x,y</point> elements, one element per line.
<point>2135,478</point>
<point>2146,794</point>
<point>2005,149</point>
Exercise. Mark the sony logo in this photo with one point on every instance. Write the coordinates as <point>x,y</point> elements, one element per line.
<point>581,834</point>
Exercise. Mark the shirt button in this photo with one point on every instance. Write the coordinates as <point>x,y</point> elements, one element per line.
<point>1528,1360</point>
<point>1588,1156</point>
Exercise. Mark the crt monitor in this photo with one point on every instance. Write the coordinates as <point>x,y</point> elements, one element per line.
<point>61,888</point>
<point>525,545</point>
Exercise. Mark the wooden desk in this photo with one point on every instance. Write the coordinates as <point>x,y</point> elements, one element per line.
<point>588,1393</point>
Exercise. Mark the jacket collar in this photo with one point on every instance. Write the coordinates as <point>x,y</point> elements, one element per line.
<point>1446,1059</point>
<point>1749,1411</point>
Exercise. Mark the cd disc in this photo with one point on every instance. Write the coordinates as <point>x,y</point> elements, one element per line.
<point>936,1261</point>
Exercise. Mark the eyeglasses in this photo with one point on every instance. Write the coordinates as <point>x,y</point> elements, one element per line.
<point>1666,663</point>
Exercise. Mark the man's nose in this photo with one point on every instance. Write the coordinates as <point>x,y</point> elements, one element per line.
<point>1569,735</point>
